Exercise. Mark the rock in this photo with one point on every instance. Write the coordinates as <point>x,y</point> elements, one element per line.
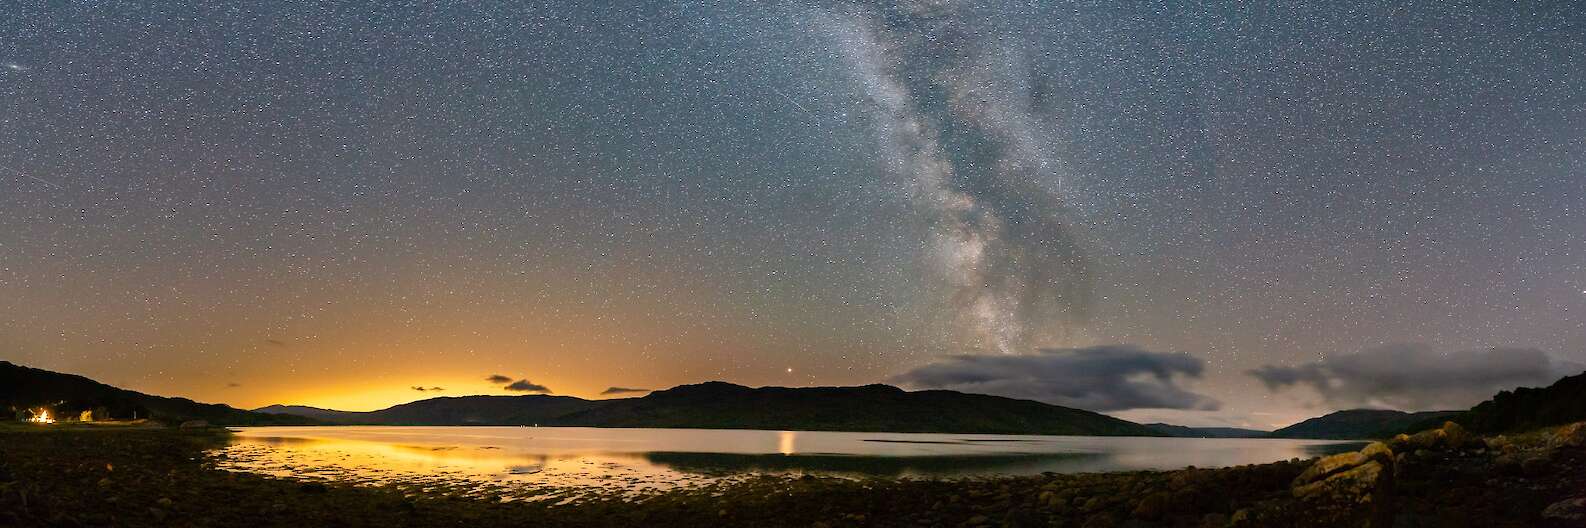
<point>1572,435</point>
<point>1535,466</point>
<point>1573,510</point>
<point>1428,439</point>
<point>164,502</point>
<point>1214,520</point>
<point>1507,464</point>
<point>194,424</point>
<point>1153,506</point>
<point>1362,480</point>
<point>1329,466</point>
<point>1100,520</point>
<point>1497,443</point>
<point>978,520</point>
<point>1399,442</point>
<point>1359,496</point>
<point>1455,436</point>
<point>1022,518</point>
<point>1379,452</point>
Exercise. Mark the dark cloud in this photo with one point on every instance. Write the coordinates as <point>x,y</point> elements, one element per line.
<point>524,385</point>
<point>498,379</point>
<point>621,390</point>
<point>422,388</point>
<point>233,385</point>
<point>276,343</point>
<point>1101,378</point>
<point>1416,377</point>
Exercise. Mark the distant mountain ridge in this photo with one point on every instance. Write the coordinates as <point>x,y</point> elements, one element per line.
<point>720,405</point>
<point>25,388</point>
<point>1207,432</point>
<point>1360,424</point>
<point>450,410</point>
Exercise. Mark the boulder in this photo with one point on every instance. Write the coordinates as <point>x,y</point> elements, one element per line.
<point>1536,466</point>
<point>1330,465</point>
<point>1456,437</point>
<point>1428,440</point>
<point>1568,510</point>
<point>1507,464</point>
<point>1400,442</point>
<point>1359,482</point>
<point>1153,507</point>
<point>1347,489</point>
<point>1572,435</point>
<point>1379,452</point>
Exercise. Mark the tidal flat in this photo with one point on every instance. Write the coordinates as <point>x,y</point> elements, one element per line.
<point>167,477</point>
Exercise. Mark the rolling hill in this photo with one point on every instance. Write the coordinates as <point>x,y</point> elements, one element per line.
<point>1358,424</point>
<point>454,410</point>
<point>1207,432</point>
<point>24,387</point>
<point>719,405</point>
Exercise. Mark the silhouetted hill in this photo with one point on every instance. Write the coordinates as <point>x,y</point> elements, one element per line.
<point>67,394</point>
<point>1357,424</point>
<point>1528,408</point>
<point>457,410</point>
<point>718,405</point>
<point>1206,432</point>
<point>324,415</point>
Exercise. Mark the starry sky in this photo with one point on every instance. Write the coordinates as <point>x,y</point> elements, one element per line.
<point>1225,214</point>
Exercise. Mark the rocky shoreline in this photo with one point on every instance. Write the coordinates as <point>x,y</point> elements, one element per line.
<point>1443,477</point>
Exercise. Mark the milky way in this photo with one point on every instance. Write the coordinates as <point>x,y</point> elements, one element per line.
<point>958,124</point>
<point>330,203</point>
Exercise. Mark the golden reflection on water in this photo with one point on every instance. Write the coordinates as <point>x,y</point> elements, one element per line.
<point>546,463</point>
<point>785,441</point>
<point>463,468</point>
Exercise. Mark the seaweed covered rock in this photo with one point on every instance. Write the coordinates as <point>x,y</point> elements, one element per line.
<point>1572,435</point>
<point>1347,489</point>
<point>1567,510</point>
<point>1456,437</point>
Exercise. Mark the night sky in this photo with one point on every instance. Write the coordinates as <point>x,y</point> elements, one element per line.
<point>1218,215</point>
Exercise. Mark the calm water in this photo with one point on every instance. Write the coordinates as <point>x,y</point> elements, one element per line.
<point>637,459</point>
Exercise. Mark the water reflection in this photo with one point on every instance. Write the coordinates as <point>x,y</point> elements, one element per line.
<point>877,466</point>
<point>640,459</point>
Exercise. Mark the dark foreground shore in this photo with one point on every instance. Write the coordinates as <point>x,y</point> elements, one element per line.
<point>161,477</point>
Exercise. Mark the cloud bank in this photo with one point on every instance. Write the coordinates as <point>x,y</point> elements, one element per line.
<point>524,385</point>
<point>1415,377</point>
<point>422,388</point>
<point>498,379</point>
<point>1100,378</point>
<point>955,112</point>
<point>621,390</point>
